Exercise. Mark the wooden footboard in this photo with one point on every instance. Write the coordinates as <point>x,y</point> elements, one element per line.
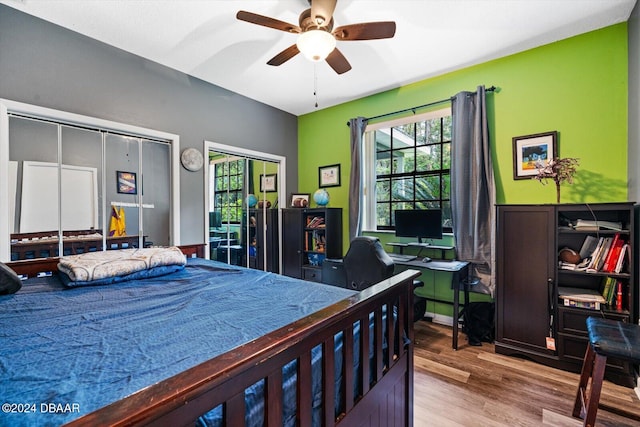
<point>385,381</point>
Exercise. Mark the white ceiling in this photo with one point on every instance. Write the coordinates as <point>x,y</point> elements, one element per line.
<point>204,39</point>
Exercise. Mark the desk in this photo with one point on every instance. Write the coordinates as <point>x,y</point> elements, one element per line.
<point>460,271</point>
<point>422,246</point>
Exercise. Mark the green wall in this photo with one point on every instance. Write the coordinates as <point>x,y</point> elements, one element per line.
<point>576,86</point>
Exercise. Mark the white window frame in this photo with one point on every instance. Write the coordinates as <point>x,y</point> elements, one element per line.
<point>368,169</point>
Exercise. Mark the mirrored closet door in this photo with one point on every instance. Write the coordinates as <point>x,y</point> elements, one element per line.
<point>75,189</point>
<point>243,216</point>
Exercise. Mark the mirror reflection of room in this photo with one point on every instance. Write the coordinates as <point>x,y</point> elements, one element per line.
<point>243,214</point>
<point>67,194</point>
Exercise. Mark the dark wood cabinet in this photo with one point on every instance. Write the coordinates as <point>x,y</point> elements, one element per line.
<point>309,236</point>
<point>531,318</point>
<point>525,271</point>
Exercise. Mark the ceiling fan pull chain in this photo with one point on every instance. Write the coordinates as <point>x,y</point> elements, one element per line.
<point>315,83</point>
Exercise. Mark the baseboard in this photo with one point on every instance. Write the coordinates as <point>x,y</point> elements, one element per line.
<point>440,319</point>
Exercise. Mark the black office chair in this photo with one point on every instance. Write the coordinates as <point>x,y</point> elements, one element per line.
<point>366,263</point>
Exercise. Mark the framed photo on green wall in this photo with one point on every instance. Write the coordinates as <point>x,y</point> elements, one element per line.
<point>329,176</point>
<point>268,183</point>
<point>532,152</point>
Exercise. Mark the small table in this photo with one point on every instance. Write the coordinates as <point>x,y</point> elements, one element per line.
<point>460,271</point>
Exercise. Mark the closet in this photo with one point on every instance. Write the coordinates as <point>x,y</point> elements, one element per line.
<point>69,175</point>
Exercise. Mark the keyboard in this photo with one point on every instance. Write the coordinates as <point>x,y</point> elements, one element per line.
<point>402,258</point>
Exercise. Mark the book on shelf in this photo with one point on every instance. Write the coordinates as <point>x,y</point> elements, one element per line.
<point>613,254</point>
<point>595,225</point>
<point>595,305</point>
<point>588,246</point>
<point>623,258</point>
<point>582,298</point>
<point>581,304</point>
<point>315,222</point>
<point>608,289</point>
<point>597,258</point>
<point>580,294</point>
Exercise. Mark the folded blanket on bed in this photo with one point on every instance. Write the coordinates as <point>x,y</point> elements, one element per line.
<point>92,267</point>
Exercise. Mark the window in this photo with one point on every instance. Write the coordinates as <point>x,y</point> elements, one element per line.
<point>408,167</point>
<point>228,193</point>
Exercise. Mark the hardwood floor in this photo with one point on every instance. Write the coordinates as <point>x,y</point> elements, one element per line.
<point>474,386</point>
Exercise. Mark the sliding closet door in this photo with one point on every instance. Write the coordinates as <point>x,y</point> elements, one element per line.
<point>124,188</point>
<point>155,197</point>
<point>33,186</point>
<point>243,211</point>
<point>81,190</point>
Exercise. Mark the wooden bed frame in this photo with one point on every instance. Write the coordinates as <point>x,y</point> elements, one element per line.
<point>386,401</point>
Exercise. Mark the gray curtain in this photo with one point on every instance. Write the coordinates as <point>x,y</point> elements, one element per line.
<point>473,187</point>
<point>357,127</point>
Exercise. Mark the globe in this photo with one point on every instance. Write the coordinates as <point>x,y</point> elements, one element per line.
<point>321,197</point>
<point>252,200</point>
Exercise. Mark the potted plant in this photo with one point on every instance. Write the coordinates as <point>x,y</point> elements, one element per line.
<point>559,170</point>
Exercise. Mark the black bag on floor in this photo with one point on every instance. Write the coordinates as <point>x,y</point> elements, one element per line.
<point>478,322</point>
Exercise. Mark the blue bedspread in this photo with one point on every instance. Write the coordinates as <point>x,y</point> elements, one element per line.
<point>67,352</point>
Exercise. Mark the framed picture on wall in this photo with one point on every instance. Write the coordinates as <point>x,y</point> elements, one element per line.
<point>268,183</point>
<point>329,176</point>
<point>126,182</point>
<point>531,152</point>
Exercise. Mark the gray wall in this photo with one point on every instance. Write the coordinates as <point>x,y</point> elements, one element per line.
<point>634,104</point>
<point>49,66</point>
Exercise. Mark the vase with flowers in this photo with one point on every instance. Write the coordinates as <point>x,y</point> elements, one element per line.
<point>558,170</point>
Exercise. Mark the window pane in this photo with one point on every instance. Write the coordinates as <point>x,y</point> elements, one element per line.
<point>383,193</point>
<point>446,214</point>
<point>428,187</point>
<point>428,158</point>
<point>383,165</point>
<point>421,133</point>
<point>446,128</point>
<point>403,161</point>
<point>383,138</point>
<point>403,136</point>
<point>446,186</point>
<point>446,155</point>
<point>435,129</point>
<point>382,215</point>
<point>402,189</point>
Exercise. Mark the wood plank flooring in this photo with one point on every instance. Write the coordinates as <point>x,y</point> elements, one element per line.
<point>474,386</point>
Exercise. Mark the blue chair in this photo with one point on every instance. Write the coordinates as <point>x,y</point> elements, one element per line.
<point>607,338</point>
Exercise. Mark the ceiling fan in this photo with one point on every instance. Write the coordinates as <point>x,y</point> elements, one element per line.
<point>317,38</point>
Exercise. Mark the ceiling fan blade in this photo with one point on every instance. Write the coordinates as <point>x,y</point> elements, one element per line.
<point>265,21</point>
<point>366,31</point>
<point>322,11</point>
<point>284,56</point>
<point>338,62</point>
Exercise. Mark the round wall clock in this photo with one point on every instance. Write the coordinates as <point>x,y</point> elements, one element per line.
<point>192,159</point>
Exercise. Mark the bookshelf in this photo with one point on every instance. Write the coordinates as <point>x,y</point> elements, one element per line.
<point>309,237</point>
<point>542,303</point>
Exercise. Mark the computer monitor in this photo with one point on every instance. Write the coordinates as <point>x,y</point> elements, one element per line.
<point>420,223</point>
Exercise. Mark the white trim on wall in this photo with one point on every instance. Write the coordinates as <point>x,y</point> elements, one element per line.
<point>13,107</point>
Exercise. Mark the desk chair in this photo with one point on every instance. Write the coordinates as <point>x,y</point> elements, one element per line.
<point>366,263</point>
<point>607,338</point>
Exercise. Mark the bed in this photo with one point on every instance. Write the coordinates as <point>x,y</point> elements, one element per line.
<point>184,353</point>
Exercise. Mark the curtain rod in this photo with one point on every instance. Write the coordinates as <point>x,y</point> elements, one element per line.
<point>490,89</point>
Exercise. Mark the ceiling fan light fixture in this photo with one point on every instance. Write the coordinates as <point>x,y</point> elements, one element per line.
<point>316,45</point>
